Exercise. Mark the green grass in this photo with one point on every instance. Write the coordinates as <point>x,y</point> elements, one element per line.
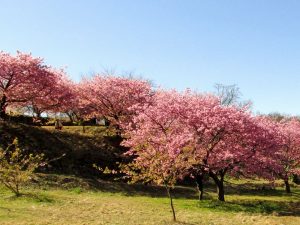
<point>67,200</point>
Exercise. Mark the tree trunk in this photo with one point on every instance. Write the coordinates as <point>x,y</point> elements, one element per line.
<point>17,190</point>
<point>70,117</point>
<point>296,179</point>
<point>36,112</point>
<point>118,129</point>
<point>199,182</point>
<point>171,201</point>
<point>38,115</point>
<point>3,107</point>
<point>220,184</point>
<point>83,125</point>
<point>287,186</point>
<point>221,191</point>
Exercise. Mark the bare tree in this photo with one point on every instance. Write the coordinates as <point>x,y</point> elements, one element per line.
<point>231,95</point>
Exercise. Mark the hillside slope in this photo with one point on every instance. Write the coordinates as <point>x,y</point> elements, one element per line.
<point>81,149</point>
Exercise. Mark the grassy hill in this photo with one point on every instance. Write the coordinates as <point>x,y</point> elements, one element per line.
<point>96,145</point>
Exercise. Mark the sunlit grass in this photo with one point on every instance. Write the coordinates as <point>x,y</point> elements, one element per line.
<point>86,130</point>
<point>126,204</point>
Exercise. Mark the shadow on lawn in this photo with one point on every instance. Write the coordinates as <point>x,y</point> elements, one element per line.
<point>267,207</point>
<point>35,197</point>
<point>263,189</point>
<point>254,206</point>
<point>278,208</point>
<point>145,190</point>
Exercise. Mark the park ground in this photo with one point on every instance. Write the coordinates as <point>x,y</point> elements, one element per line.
<point>59,199</point>
<point>67,198</point>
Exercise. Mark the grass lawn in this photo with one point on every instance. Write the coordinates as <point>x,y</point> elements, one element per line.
<point>117,203</point>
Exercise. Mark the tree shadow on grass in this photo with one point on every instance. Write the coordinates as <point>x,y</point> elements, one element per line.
<point>35,197</point>
<point>254,206</point>
<point>279,208</point>
<point>4,208</point>
<point>145,190</point>
<point>183,223</point>
<point>257,206</point>
<point>95,184</point>
<point>263,189</point>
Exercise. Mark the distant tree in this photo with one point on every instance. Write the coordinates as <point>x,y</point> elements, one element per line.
<point>54,97</point>
<point>231,95</point>
<point>24,80</point>
<point>283,162</point>
<point>277,116</point>
<point>112,98</point>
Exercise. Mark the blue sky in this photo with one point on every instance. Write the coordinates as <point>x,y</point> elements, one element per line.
<point>177,44</point>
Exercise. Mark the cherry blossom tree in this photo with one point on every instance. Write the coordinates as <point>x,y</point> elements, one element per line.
<point>284,160</point>
<point>288,157</point>
<point>227,139</point>
<point>158,141</point>
<point>23,79</point>
<point>70,104</point>
<point>214,139</point>
<point>112,97</point>
<point>195,105</point>
<point>55,97</point>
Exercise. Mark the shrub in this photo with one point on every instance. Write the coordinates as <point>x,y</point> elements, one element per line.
<point>16,168</point>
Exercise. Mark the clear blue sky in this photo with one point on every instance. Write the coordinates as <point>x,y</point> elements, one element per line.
<point>177,44</point>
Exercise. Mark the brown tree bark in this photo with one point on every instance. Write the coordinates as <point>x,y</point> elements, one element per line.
<point>3,107</point>
<point>220,184</point>
<point>199,182</point>
<point>287,186</point>
<point>171,201</point>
